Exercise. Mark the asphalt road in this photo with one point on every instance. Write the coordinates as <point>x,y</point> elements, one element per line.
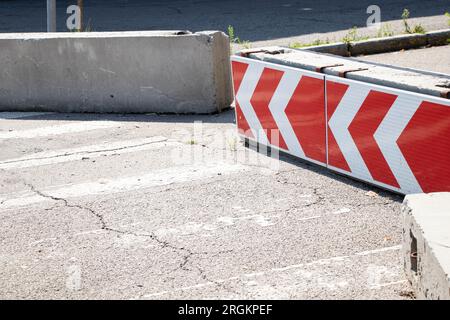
<point>152,207</point>
<point>255,21</point>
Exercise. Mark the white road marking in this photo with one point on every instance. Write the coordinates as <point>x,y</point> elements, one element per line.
<point>96,231</point>
<point>283,269</point>
<point>155,294</point>
<point>369,252</point>
<point>257,218</point>
<point>202,229</point>
<point>156,178</point>
<point>92,151</point>
<point>254,274</point>
<point>343,210</point>
<point>58,129</point>
<point>387,284</point>
<point>20,115</point>
<point>106,70</point>
<point>42,240</point>
<point>309,218</point>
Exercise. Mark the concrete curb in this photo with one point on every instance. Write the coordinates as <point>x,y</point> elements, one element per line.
<point>387,44</point>
<point>426,244</point>
<point>116,72</point>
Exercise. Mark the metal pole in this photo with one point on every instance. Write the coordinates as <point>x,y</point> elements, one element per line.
<point>80,5</point>
<point>51,15</point>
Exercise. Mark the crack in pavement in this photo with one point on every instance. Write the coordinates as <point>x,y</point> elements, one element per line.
<point>220,284</point>
<point>187,254</point>
<point>319,199</point>
<point>85,152</point>
<point>215,181</point>
<point>67,204</point>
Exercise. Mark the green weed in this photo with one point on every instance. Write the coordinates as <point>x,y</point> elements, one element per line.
<point>385,31</point>
<point>233,39</point>
<point>418,28</point>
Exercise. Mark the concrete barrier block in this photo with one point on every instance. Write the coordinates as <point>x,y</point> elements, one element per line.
<point>426,244</point>
<point>402,79</point>
<point>394,77</point>
<point>123,72</point>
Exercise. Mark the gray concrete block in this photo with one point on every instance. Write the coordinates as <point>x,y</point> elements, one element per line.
<point>123,72</point>
<point>394,77</point>
<point>426,244</point>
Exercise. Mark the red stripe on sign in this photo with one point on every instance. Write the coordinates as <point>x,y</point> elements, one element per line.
<point>335,92</point>
<point>260,100</point>
<point>362,129</point>
<point>425,144</point>
<point>239,69</point>
<point>305,112</point>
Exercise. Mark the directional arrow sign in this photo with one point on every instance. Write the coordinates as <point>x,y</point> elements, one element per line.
<point>392,138</point>
<point>396,139</point>
<point>283,107</point>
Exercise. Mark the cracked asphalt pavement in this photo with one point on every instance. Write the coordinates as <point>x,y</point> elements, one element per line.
<point>169,207</point>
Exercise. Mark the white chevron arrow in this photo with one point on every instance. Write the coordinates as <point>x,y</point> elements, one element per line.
<point>340,121</point>
<point>243,97</point>
<point>387,135</point>
<point>277,106</point>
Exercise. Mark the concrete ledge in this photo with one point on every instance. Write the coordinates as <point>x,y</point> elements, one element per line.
<point>123,72</point>
<point>387,44</point>
<point>394,43</point>
<point>399,78</point>
<point>426,244</point>
<point>338,48</point>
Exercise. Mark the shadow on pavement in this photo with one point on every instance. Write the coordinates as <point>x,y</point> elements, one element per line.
<point>300,163</point>
<point>226,116</point>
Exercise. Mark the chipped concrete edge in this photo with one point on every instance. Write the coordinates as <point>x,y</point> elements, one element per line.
<point>426,244</point>
<point>221,69</point>
<point>407,79</point>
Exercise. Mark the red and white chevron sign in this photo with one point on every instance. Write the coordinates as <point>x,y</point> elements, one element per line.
<point>392,138</point>
<point>281,102</point>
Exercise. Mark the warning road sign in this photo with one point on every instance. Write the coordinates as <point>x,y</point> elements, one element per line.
<point>392,138</point>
